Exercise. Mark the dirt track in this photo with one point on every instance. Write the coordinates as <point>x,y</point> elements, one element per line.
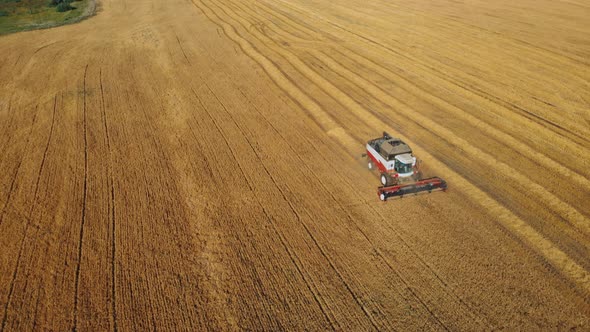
<point>196,165</point>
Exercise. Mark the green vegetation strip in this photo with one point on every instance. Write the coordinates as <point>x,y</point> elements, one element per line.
<point>22,15</point>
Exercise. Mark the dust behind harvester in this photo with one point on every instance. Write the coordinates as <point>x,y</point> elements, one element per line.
<point>399,169</point>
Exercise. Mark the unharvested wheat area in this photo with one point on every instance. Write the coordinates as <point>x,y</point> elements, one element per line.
<point>196,165</point>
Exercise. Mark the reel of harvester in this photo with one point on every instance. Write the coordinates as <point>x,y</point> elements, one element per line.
<point>426,185</point>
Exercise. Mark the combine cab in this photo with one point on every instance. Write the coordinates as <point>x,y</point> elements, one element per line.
<point>398,167</point>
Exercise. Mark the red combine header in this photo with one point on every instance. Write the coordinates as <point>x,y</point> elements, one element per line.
<point>400,173</point>
<point>425,185</point>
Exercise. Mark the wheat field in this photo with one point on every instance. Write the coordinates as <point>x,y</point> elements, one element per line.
<point>196,165</point>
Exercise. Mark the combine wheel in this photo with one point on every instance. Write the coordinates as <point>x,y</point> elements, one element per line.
<point>385,179</point>
<point>382,197</point>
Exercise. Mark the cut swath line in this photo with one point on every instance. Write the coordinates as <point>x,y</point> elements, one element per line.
<point>111,207</point>
<point>6,127</point>
<point>558,258</point>
<point>182,49</point>
<point>83,218</point>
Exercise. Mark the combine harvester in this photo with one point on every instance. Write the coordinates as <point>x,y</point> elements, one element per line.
<point>400,173</point>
